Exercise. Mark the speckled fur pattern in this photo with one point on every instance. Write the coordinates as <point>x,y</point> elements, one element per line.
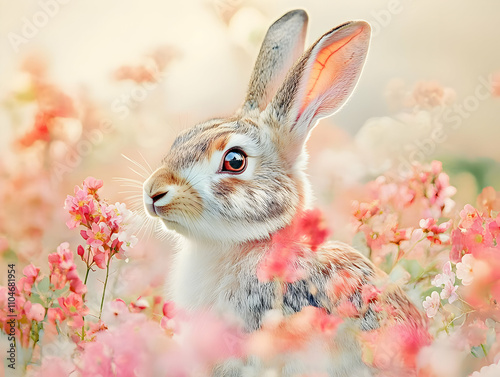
<point>226,221</point>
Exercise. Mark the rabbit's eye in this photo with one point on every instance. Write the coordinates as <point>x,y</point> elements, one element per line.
<point>235,161</point>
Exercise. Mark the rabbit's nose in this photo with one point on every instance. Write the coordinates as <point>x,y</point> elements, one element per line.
<point>154,200</point>
<point>158,196</point>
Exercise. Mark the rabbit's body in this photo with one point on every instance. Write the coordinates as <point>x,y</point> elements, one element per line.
<point>226,281</point>
<point>228,185</point>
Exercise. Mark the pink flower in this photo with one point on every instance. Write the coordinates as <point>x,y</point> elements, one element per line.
<point>363,211</point>
<point>447,276</point>
<point>60,262</point>
<point>435,232</point>
<point>35,312</point>
<point>474,234</point>
<point>55,367</point>
<point>75,283</point>
<point>109,215</point>
<point>431,304</point>
<point>394,349</point>
<point>168,322</point>
<point>55,314</point>
<point>307,231</point>
<point>72,203</point>
<point>399,235</point>
<point>494,228</point>
<point>169,325</point>
<point>31,274</point>
<point>489,199</point>
<point>465,269</point>
<point>312,228</point>
<point>139,305</point>
<point>98,235</point>
<point>92,184</point>
<point>120,213</point>
<point>73,307</point>
<point>81,207</point>
<point>84,254</point>
<point>63,270</point>
<point>468,216</point>
<point>117,312</point>
<point>101,258</point>
<point>96,360</point>
<point>449,292</point>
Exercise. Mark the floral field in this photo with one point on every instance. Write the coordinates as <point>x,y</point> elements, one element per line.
<point>408,172</point>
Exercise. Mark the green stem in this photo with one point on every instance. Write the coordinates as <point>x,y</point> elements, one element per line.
<point>105,284</point>
<point>484,350</point>
<point>460,316</point>
<point>86,275</point>
<point>415,244</point>
<point>83,296</point>
<point>464,302</point>
<point>396,259</point>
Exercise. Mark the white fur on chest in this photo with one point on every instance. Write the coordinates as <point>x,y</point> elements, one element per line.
<point>207,276</point>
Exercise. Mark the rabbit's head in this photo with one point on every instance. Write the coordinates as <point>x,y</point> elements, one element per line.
<point>241,178</point>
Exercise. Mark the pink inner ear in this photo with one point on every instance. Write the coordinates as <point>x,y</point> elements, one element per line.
<point>326,70</point>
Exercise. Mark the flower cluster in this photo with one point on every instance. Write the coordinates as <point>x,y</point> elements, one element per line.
<point>52,104</point>
<point>400,211</point>
<point>408,214</point>
<point>462,297</point>
<point>106,232</point>
<point>55,303</point>
<point>44,302</point>
<point>477,232</point>
<point>468,287</point>
<point>475,250</point>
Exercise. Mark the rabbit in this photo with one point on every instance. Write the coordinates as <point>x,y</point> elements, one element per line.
<point>227,185</point>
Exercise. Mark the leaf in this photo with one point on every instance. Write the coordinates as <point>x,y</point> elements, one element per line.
<point>478,351</point>
<point>60,292</point>
<point>412,266</point>
<point>360,244</point>
<point>10,256</point>
<point>36,299</point>
<point>398,273</point>
<point>387,264</point>
<point>43,286</point>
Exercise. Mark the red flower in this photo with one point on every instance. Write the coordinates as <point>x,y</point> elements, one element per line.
<point>63,269</point>
<point>73,307</point>
<point>307,231</point>
<point>31,274</point>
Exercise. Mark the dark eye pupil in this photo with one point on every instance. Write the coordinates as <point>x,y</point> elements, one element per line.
<point>235,160</point>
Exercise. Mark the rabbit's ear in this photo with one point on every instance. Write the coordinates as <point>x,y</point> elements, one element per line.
<point>282,47</point>
<point>319,84</point>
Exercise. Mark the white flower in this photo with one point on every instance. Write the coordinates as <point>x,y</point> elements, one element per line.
<point>128,240</point>
<point>465,271</point>
<point>431,304</point>
<point>446,276</point>
<point>122,213</point>
<point>492,370</point>
<point>449,292</point>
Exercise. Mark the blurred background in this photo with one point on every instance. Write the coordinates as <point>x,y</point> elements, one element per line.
<point>83,82</point>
